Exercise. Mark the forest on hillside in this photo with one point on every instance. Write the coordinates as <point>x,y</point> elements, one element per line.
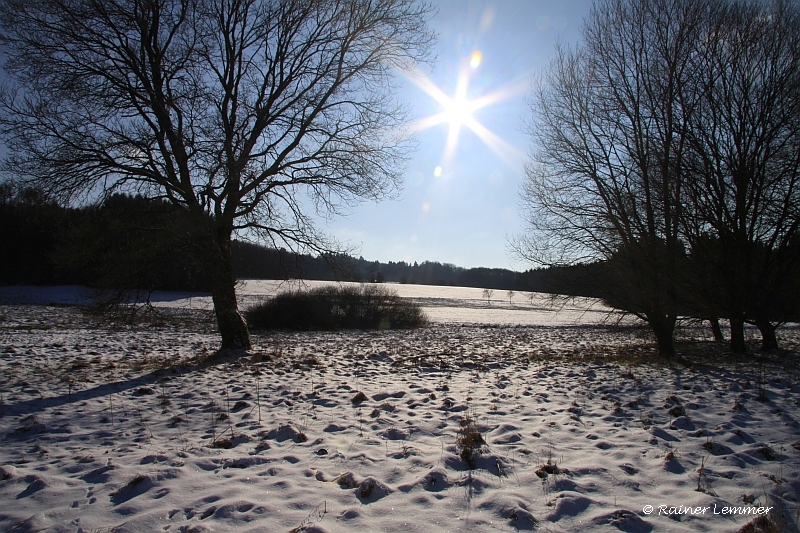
<point>131,242</point>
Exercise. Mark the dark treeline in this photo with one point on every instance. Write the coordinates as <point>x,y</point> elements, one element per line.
<point>252,261</point>
<point>130,242</point>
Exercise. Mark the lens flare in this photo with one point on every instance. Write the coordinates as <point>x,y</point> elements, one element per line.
<point>475,59</point>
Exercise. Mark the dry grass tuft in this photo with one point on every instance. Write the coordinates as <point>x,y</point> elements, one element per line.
<point>469,441</point>
<point>548,469</point>
<point>346,480</point>
<point>132,483</point>
<point>762,524</point>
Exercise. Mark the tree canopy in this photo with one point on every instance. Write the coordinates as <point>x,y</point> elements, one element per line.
<point>234,110</point>
<point>670,131</point>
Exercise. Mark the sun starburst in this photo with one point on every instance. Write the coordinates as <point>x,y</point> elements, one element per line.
<point>457,112</point>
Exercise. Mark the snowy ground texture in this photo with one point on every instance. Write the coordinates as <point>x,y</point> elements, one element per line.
<point>107,427</point>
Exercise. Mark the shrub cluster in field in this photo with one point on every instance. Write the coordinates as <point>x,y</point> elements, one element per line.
<point>337,307</point>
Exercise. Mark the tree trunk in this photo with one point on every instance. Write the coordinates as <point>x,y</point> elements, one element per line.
<point>663,328</point>
<point>716,330</point>
<point>768,339</point>
<point>738,345</point>
<point>232,325</point>
<point>666,345</point>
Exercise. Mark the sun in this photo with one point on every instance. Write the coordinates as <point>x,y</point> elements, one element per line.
<point>457,111</point>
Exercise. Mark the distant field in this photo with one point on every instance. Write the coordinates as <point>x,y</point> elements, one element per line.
<point>446,305</point>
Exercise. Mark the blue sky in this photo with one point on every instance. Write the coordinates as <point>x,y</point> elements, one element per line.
<point>464,213</point>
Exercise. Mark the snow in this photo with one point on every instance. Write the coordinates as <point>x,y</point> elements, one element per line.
<point>452,305</point>
<point>129,427</point>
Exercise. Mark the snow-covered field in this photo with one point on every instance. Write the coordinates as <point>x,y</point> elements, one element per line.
<point>108,427</point>
<point>441,304</point>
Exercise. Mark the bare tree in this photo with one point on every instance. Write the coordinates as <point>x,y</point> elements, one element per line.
<point>606,177</point>
<point>745,145</point>
<point>675,124</point>
<point>235,110</point>
<point>487,293</point>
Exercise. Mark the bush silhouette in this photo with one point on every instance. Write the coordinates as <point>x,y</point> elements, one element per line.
<point>337,307</point>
